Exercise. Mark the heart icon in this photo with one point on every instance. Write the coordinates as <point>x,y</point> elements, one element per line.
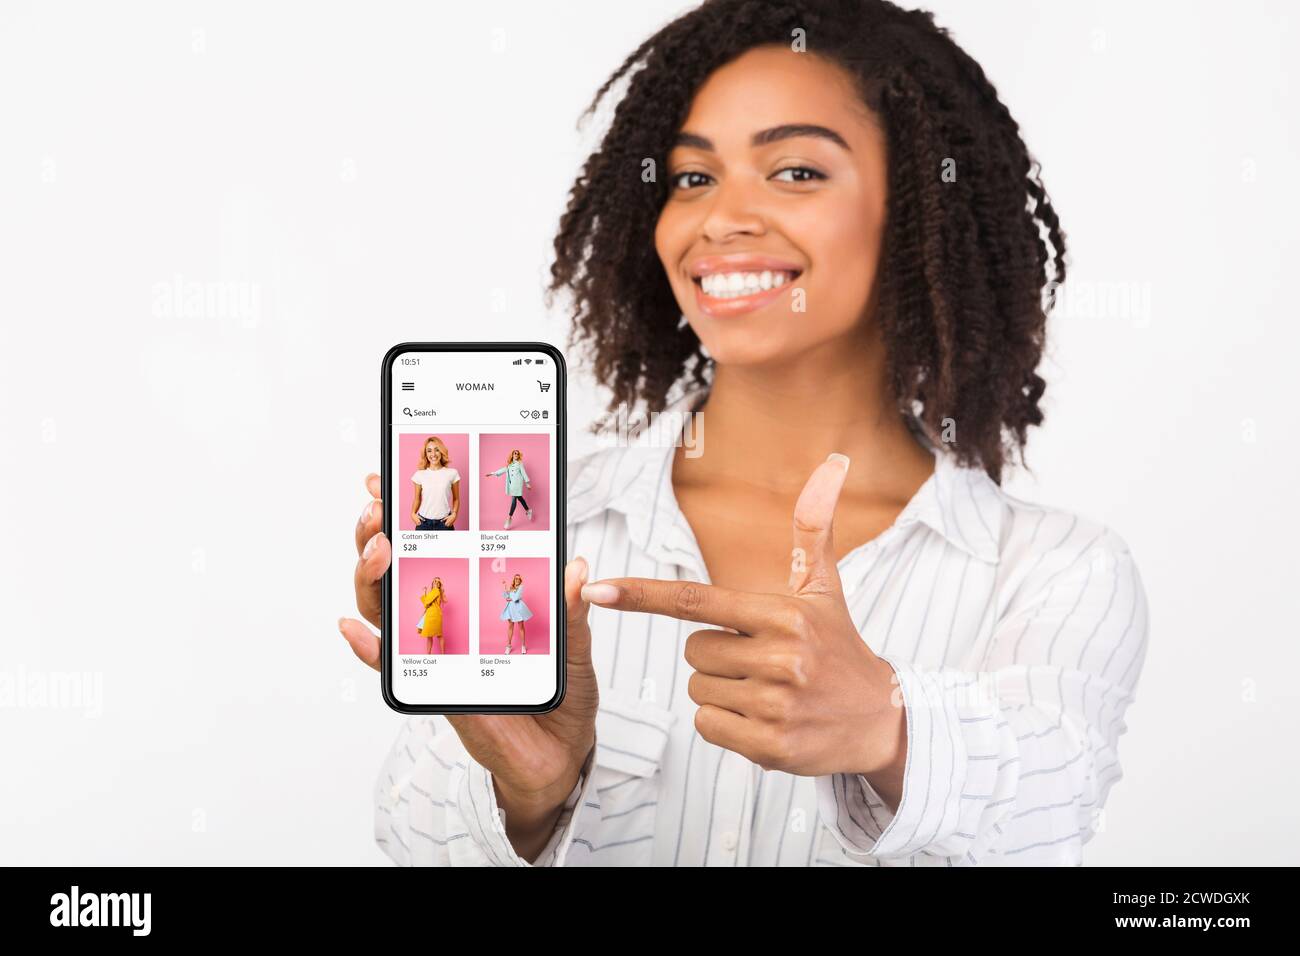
<point>524,413</point>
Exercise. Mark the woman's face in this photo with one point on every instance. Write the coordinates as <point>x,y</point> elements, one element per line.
<point>433,452</point>
<point>772,229</point>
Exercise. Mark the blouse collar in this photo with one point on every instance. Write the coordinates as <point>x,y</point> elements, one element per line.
<point>634,477</point>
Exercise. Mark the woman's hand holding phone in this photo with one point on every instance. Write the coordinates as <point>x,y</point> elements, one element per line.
<point>535,761</point>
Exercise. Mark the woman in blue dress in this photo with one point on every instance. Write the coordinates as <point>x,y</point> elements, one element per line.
<point>515,611</point>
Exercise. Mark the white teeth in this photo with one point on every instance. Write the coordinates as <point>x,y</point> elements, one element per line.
<point>729,285</point>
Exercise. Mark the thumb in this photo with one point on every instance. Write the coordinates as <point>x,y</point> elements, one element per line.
<point>363,641</point>
<point>576,609</point>
<point>812,561</point>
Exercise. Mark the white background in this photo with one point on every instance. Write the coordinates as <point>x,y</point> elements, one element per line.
<point>180,491</point>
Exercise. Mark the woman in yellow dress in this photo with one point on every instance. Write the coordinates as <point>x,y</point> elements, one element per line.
<point>431,624</point>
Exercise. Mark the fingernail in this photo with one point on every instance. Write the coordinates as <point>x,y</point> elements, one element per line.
<point>341,631</point>
<point>578,568</point>
<point>836,456</point>
<point>367,511</point>
<point>600,593</point>
<point>370,545</point>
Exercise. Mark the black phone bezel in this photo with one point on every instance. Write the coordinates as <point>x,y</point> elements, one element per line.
<point>560,650</point>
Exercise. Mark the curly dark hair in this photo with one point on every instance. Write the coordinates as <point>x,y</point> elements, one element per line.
<point>968,267</point>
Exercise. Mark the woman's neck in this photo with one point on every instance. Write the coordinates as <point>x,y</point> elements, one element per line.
<point>772,425</point>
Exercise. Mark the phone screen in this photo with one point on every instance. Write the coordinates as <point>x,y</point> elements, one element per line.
<point>473,616</point>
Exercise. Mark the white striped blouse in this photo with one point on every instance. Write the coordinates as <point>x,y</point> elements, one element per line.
<point>1017,633</point>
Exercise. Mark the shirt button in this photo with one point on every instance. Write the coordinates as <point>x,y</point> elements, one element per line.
<point>730,840</point>
<point>395,792</point>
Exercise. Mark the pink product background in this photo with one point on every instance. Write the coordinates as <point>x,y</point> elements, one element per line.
<point>537,595</point>
<point>408,456</point>
<point>494,503</point>
<point>413,576</point>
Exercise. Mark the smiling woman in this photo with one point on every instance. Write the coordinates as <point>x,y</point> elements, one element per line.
<point>827,637</point>
<point>782,191</point>
<point>835,154</point>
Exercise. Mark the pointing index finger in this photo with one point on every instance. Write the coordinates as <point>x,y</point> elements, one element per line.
<point>746,611</point>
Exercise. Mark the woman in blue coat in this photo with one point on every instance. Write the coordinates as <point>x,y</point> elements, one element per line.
<point>515,611</point>
<point>516,480</point>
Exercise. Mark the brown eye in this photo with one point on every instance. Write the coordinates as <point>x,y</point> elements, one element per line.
<point>690,180</point>
<point>797,174</point>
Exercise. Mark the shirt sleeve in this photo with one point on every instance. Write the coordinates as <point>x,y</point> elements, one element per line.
<point>436,806</point>
<point>523,471</point>
<point>1011,762</point>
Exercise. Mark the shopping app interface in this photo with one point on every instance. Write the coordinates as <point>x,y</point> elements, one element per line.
<point>473,495</point>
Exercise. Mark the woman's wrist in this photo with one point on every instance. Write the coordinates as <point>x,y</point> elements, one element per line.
<point>534,805</point>
<point>882,739</point>
<point>530,819</point>
<point>887,778</point>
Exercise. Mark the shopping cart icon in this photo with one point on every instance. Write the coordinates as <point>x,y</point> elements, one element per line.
<point>544,386</point>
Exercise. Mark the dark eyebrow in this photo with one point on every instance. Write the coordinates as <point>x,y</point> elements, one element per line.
<point>764,137</point>
<point>797,129</point>
<point>693,141</point>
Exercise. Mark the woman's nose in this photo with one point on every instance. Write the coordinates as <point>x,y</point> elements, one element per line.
<point>733,212</point>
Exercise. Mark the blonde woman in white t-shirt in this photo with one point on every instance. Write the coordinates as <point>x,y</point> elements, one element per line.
<point>437,488</point>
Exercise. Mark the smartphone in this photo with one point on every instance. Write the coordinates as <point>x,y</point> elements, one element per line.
<point>473,477</point>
